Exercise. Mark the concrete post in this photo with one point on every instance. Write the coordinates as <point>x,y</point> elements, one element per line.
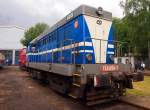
<point>13,57</point>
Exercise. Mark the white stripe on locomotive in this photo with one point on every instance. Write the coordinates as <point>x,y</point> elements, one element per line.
<point>66,48</point>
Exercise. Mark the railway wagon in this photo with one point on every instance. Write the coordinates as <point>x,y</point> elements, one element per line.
<point>76,57</point>
<point>2,60</point>
<point>22,58</point>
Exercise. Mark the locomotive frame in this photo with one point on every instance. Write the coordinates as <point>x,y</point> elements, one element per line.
<point>79,80</point>
<point>81,73</point>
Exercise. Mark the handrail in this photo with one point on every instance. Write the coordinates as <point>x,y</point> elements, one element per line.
<point>73,48</point>
<point>62,44</point>
<point>112,41</point>
<point>105,40</point>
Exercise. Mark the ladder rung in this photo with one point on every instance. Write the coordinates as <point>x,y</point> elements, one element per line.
<point>72,96</point>
<point>89,103</point>
<point>97,97</point>
<point>76,75</point>
<point>76,85</point>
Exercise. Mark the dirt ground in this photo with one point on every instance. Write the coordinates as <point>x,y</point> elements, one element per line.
<point>19,92</point>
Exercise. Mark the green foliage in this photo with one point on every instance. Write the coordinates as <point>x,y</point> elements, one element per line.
<point>121,33</point>
<point>33,32</point>
<point>135,26</point>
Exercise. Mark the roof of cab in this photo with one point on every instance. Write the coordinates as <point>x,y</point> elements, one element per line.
<point>81,10</point>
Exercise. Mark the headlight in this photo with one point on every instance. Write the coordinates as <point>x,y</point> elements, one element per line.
<point>111,57</point>
<point>99,11</point>
<point>89,57</point>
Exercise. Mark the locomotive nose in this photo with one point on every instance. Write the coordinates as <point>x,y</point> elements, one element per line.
<point>102,80</point>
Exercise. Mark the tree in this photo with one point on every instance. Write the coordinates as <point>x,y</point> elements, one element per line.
<point>121,33</point>
<point>33,32</point>
<point>134,27</point>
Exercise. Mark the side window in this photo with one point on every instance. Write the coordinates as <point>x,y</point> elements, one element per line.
<point>68,32</point>
<point>52,37</point>
<point>46,41</point>
<point>55,35</point>
<point>40,43</point>
<point>43,42</point>
<point>49,39</point>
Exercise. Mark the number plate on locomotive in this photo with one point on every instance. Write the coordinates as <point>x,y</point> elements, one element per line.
<point>109,68</point>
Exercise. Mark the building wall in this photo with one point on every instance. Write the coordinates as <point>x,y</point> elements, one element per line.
<point>11,56</point>
<point>10,37</point>
<point>124,59</point>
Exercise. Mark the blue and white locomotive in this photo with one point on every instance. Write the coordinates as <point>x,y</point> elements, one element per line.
<point>76,57</point>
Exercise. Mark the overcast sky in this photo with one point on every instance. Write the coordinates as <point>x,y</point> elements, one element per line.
<point>26,13</point>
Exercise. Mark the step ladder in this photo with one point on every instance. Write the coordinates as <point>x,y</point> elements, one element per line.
<point>76,86</point>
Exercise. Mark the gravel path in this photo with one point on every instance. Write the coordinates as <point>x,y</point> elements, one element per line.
<point>19,92</point>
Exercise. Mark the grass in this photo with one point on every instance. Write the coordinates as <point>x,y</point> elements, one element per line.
<point>141,88</point>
